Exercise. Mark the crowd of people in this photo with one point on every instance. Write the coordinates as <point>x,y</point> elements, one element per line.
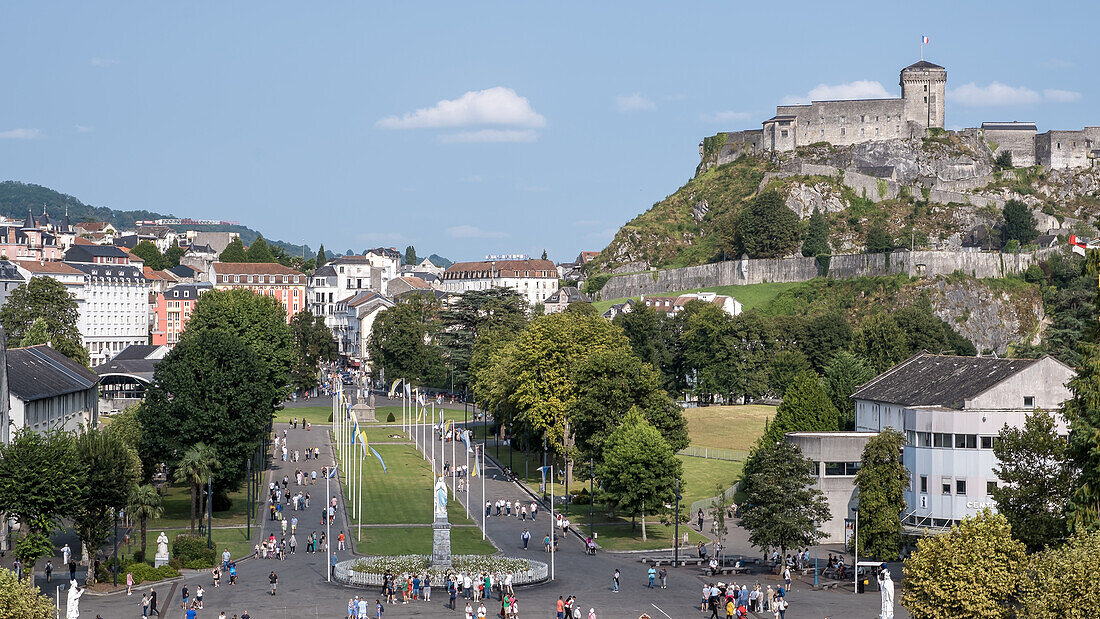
<point>733,602</point>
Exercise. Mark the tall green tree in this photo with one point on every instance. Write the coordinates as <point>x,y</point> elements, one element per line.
<point>708,341</point>
<point>470,315</point>
<point>195,468</point>
<point>150,254</point>
<point>1082,413</point>
<point>610,383</point>
<point>214,389</point>
<point>975,570</point>
<point>173,255</point>
<point>817,235</point>
<point>1019,223</point>
<point>806,407</point>
<point>882,480</point>
<point>322,257</point>
<point>638,469</point>
<point>259,251</point>
<point>878,240</point>
<point>47,299</point>
<point>21,599</point>
<point>1036,480</point>
<point>785,366</point>
<point>410,255</point>
<point>844,374</point>
<point>782,508</point>
<point>40,477</point>
<point>825,334</point>
<point>1061,581</point>
<point>313,343</point>
<point>234,252</point>
<point>110,470</point>
<point>39,333</point>
<point>766,228</point>
<point>400,341</point>
<point>881,342</point>
<point>145,504</point>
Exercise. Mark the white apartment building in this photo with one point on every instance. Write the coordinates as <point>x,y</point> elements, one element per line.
<point>675,304</point>
<point>951,410</point>
<point>361,310</point>
<point>114,308</point>
<point>386,258</point>
<point>333,285</point>
<point>535,280</point>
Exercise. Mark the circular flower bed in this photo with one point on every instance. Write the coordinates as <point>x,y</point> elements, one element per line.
<point>368,571</point>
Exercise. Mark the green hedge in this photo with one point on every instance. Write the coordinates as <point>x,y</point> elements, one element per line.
<point>143,572</point>
<point>191,551</point>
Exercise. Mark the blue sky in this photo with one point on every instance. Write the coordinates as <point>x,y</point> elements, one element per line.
<point>558,121</point>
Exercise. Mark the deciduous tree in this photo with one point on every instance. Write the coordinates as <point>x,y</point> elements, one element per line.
<point>313,343</point>
<point>782,507</point>
<point>784,367</point>
<point>880,342</point>
<point>1082,412</point>
<point>766,228</point>
<point>21,599</point>
<point>879,240</point>
<point>471,315</point>
<point>47,299</point>
<point>173,255</point>
<point>806,407</point>
<point>399,341</point>
<point>1061,581</point>
<point>975,570</point>
<point>150,254</point>
<point>110,470</point>
<point>882,480</point>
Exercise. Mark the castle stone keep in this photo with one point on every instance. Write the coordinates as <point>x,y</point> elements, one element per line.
<point>922,106</point>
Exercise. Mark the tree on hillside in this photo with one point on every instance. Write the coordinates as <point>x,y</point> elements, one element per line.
<point>825,334</point>
<point>214,389</point>
<point>846,372</point>
<point>1083,416</point>
<point>1019,223</point>
<point>313,343</point>
<point>173,255</point>
<point>782,508</point>
<point>766,228</point>
<point>260,322</point>
<point>259,251</point>
<point>784,367</point>
<point>40,478</point>
<point>707,339</point>
<point>110,470</point>
<point>924,331</point>
<point>880,342</point>
<point>1036,480</point>
<point>21,599</point>
<point>322,257</point>
<point>806,407</point>
<point>145,504</point>
<point>47,299</point>
<point>1061,581</point>
<point>882,480</point>
<point>817,236</point>
<point>642,328</point>
<point>878,240</point>
<point>234,252</point>
<point>399,341</point>
<point>194,468</point>
<point>410,255</point>
<point>638,469</point>
<point>611,383</point>
<point>150,254</point>
<point>974,570</point>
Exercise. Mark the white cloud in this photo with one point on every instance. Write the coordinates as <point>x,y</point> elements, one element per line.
<point>634,103</point>
<point>103,62</point>
<point>20,134</point>
<point>726,116</point>
<point>994,94</point>
<point>82,129</point>
<point>859,89</point>
<point>490,135</point>
<point>473,232</point>
<point>492,106</point>
<point>1061,96</point>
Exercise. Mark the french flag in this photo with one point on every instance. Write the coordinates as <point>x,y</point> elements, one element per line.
<point>924,40</point>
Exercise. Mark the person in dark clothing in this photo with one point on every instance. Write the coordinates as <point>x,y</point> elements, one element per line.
<point>72,569</point>
<point>153,603</point>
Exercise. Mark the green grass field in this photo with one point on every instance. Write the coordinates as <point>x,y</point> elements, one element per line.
<point>234,539</point>
<point>658,536</point>
<point>750,295</point>
<point>177,510</point>
<point>703,476</point>
<point>727,427</point>
<point>316,415</point>
<point>384,435</point>
<point>381,413</point>
<point>418,541</point>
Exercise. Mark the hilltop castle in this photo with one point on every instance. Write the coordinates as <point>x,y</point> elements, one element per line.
<point>922,106</point>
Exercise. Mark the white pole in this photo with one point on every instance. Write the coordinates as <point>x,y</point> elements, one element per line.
<point>359,510</point>
<point>454,464</point>
<point>433,438</point>
<point>484,522</point>
<point>552,532</point>
<point>467,478</point>
<point>328,529</point>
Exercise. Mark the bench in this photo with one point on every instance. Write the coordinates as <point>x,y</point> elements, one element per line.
<point>725,570</point>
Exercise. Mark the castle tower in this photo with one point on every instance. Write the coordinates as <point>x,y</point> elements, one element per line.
<point>924,89</point>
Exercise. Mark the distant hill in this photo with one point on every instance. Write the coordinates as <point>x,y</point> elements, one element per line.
<point>440,261</point>
<point>17,198</point>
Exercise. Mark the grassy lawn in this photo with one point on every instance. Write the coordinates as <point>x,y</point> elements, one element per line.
<point>234,539</point>
<point>177,509</point>
<point>383,435</point>
<point>450,414</point>
<point>418,541</point>
<point>750,295</point>
<point>727,427</point>
<point>658,536</point>
<point>316,415</point>
<point>404,494</point>
<point>702,476</point>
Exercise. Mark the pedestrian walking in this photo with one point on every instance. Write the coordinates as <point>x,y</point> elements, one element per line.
<point>652,573</point>
<point>49,569</point>
<point>663,575</point>
<point>525,537</point>
<point>615,581</point>
<point>153,602</point>
<point>145,605</point>
<point>273,580</point>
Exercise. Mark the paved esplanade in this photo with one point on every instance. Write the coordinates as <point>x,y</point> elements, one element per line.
<point>303,591</point>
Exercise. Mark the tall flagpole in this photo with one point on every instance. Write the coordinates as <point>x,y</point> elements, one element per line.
<point>553,545</point>
<point>467,478</point>
<point>433,438</point>
<point>484,514</point>
<point>454,464</point>
<point>359,510</point>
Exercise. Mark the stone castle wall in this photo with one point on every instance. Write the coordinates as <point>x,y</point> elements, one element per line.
<point>800,269</point>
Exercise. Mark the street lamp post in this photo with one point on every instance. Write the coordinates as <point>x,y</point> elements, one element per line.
<point>676,540</point>
<point>591,498</point>
<point>209,511</point>
<point>248,504</point>
<point>114,568</point>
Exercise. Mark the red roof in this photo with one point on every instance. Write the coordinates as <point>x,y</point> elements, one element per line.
<point>415,282</point>
<point>59,268</point>
<point>82,241</point>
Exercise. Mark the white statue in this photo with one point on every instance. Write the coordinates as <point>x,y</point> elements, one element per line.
<point>886,585</point>
<point>161,558</point>
<point>441,499</point>
<point>72,606</point>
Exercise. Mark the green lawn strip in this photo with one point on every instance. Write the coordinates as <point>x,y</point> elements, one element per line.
<point>177,509</point>
<point>404,493</point>
<point>727,427</point>
<point>381,414</point>
<point>316,415</point>
<point>702,476</point>
<point>418,541</point>
<point>658,536</point>
<point>234,539</point>
<point>384,435</point>
<point>750,295</point>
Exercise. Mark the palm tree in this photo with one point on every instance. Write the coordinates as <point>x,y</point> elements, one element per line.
<point>145,504</point>
<point>193,469</point>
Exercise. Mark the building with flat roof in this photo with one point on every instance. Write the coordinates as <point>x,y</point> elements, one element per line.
<point>836,457</point>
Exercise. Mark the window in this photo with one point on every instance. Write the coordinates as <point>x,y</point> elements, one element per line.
<point>947,487</point>
<point>838,469</point>
<point>926,99</point>
<point>843,119</point>
<point>990,486</point>
<point>862,118</point>
<point>960,487</point>
<point>924,483</point>
<point>939,439</point>
<point>987,442</point>
<point>842,131</point>
<point>1029,401</point>
<point>783,133</point>
<point>966,441</point>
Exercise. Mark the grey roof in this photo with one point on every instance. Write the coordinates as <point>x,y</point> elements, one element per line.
<point>571,295</point>
<point>140,368</point>
<point>110,271</point>
<point>325,271</point>
<point>85,253</point>
<point>135,351</point>
<point>129,241</point>
<point>923,65</point>
<point>1009,126</point>
<point>38,372</point>
<point>939,380</point>
<point>183,270</point>
<point>9,272</point>
<point>187,291</point>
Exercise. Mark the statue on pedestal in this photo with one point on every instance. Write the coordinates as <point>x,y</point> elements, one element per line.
<point>72,605</point>
<point>441,529</point>
<point>161,557</point>
<point>440,499</point>
<point>886,585</point>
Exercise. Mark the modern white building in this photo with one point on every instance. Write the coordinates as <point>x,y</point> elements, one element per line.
<point>836,457</point>
<point>362,309</point>
<point>47,390</point>
<point>334,284</point>
<point>951,410</point>
<point>535,280</point>
<point>386,258</point>
<point>114,309</point>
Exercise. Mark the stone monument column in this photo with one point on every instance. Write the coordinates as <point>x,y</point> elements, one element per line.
<point>441,528</point>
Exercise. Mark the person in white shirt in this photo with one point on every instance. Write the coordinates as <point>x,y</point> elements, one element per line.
<point>481,611</point>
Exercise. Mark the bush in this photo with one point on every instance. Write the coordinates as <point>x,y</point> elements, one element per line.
<point>191,550</point>
<point>139,556</point>
<point>1003,161</point>
<point>222,502</point>
<point>581,498</point>
<point>390,418</point>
